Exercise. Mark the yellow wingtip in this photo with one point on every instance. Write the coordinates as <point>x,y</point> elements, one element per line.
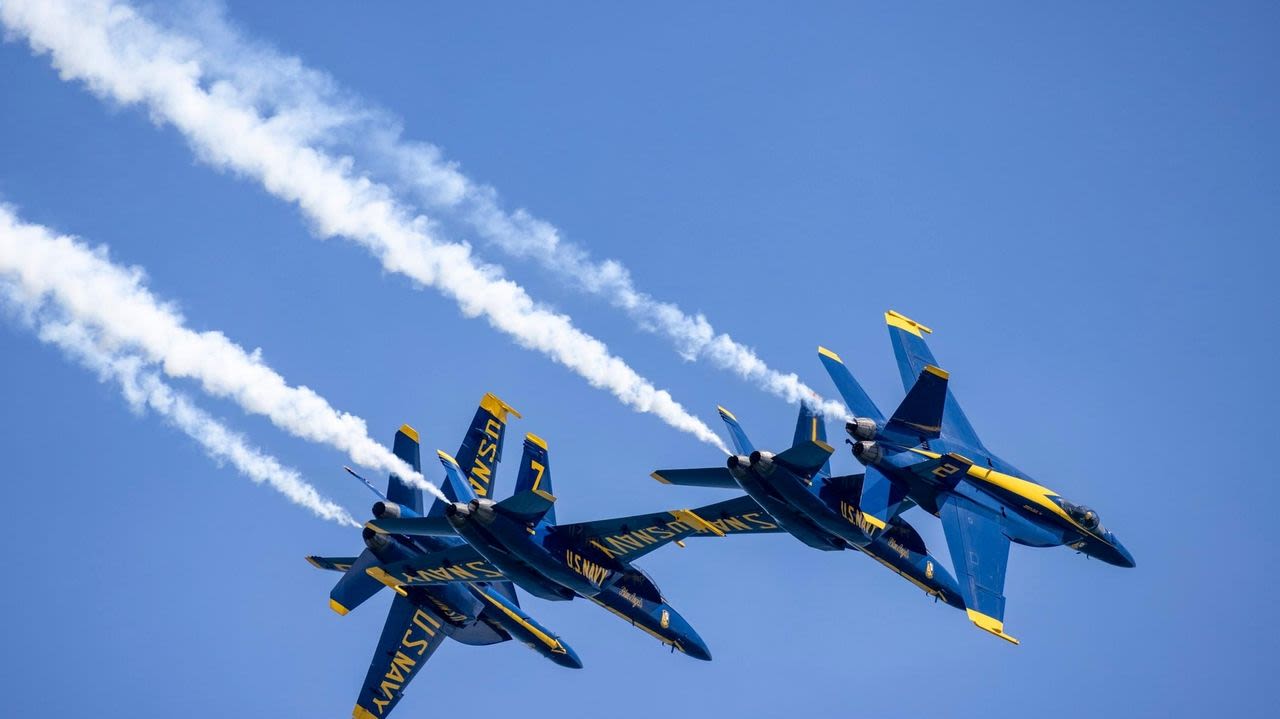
<point>828,353</point>
<point>491,403</point>
<point>658,476</point>
<point>312,561</point>
<point>536,440</point>
<point>545,495</point>
<point>691,518</point>
<point>361,713</point>
<point>409,432</point>
<point>990,624</point>
<point>937,371</point>
<point>726,413</point>
<point>903,322</point>
<point>826,447</point>
<point>335,606</point>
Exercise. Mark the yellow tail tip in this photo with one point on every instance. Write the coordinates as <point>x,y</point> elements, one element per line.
<point>901,321</point>
<point>726,413</point>
<point>828,353</point>
<point>495,406</point>
<point>409,432</point>
<point>937,372</point>
<point>361,713</point>
<point>536,440</point>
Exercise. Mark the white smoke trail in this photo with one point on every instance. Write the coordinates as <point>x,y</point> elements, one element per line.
<point>144,390</point>
<point>90,290</point>
<point>312,105</point>
<point>123,56</point>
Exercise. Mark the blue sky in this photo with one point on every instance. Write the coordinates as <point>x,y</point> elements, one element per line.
<point>1080,201</point>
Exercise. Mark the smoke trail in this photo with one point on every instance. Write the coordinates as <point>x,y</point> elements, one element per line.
<point>144,390</point>
<point>90,290</point>
<point>123,56</point>
<point>314,107</point>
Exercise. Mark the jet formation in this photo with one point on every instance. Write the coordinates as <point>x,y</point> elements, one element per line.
<point>454,567</point>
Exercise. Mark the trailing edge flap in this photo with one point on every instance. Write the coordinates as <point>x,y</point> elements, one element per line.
<point>413,526</point>
<point>717,477</point>
<point>461,563</point>
<point>806,458</point>
<point>625,539</point>
<point>945,471</point>
<point>409,638</point>
<point>740,515</point>
<point>333,564</point>
<point>921,410</point>
<point>855,398</point>
<point>529,506</point>
<point>355,586</point>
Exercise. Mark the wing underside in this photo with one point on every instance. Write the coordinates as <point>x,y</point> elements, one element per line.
<point>980,553</point>
<point>409,638</point>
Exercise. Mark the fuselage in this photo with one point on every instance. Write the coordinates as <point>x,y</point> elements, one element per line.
<point>546,566</point>
<point>1031,513</point>
<point>823,513</point>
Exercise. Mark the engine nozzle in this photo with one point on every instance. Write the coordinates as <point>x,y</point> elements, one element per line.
<point>738,465</point>
<point>762,462</point>
<point>375,540</point>
<point>861,428</point>
<point>387,509</point>
<point>867,452</point>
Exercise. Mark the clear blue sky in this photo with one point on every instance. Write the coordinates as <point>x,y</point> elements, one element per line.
<point>1081,201</point>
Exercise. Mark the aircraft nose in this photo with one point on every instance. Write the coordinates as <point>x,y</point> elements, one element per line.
<point>569,659</point>
<point>695,647</point>
<point>1123,557</point>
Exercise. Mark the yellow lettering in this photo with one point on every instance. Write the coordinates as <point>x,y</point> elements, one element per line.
<point>419,644</point>
<point>493,428</point>
<point>381,704</point>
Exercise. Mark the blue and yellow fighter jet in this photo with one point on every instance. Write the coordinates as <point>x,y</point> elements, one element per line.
<point>518,539</point>
<point>421,617</point>
<point>928,454</point>
<point>795,490</point>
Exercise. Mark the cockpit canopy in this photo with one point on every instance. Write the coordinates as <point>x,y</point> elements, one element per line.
<point>1085,516</point>
<point>637,582</point>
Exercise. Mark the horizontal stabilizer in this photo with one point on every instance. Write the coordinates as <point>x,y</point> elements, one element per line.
<point>333,564</point>
<point>717,477</point>
<point>529,506</point>
<point>806,458</point>
<point>355,586</point>
<point>413,526</point>
<point>850,391</point>
<point>921,411</point>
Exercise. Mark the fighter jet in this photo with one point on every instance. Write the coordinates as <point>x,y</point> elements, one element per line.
<point>796,491</point>
<point>926,453</point>
<point>422,616</point>
<point>518,539</point>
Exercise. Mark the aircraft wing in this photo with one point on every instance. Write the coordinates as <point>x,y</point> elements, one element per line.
<point>628,538</point>
<point>980,554</point>
<point>913,356</point>
<point>409,638</point>
<point>740,515</point>
<point>461,563</point>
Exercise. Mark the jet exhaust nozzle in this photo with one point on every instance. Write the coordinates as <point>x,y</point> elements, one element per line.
<point>868,452</point>
<point>762,462</point>
<point>387,509</point>
<point>374,540</point>
<point>862,428</point>
<point>738,465</point>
